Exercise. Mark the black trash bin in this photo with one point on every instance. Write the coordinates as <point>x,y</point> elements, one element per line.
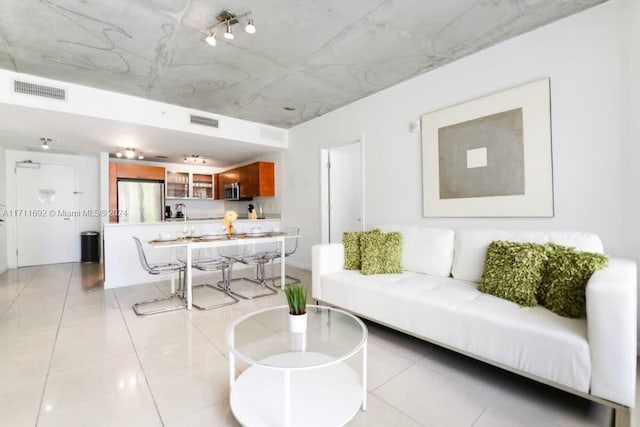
<point>89,246</point>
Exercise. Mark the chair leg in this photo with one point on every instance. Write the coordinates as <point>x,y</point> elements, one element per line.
<point>137,305</point>
<point>227,286</point>
<point>177,295</point>
<point>273,278</point>
<point>225,290</point>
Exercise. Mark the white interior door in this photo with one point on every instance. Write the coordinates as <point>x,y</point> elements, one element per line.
<point>46,215</point>
<point>345,190</point>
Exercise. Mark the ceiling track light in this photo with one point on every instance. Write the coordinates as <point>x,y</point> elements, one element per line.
<point>130,153</point>
<point>45,143</point>
<point>229,19</point>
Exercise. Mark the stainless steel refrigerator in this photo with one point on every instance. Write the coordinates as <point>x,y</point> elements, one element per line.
<point>143,201</point>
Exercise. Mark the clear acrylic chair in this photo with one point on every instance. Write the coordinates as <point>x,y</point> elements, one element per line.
<point>158,269</point>
<point>290,247</point>
<point>252,255</point>
<point>207,262</point>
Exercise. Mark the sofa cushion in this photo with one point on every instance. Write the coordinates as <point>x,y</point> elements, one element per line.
<point>381,253</point>
<point>453,313</point>
<point>351,241</point>
<point>513,271</point>
<point>566,274</point>
<point>425,250</point>
<point>471,246</point>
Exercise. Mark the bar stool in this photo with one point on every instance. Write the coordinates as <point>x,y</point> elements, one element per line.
<point>157,269</point>
<point>215,263</point>
<point>252,257</point>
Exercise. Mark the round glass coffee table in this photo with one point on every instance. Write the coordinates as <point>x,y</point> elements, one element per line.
<point>296,379</point>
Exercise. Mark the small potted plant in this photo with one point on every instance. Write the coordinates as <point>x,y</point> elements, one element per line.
<point>297,299</point>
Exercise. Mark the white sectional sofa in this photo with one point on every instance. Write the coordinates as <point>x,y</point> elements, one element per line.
<point>436,298</point>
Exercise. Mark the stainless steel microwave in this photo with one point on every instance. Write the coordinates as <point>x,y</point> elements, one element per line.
<point>232,191</point>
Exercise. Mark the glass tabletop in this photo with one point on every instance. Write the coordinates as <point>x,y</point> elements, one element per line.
<point>263,338</point>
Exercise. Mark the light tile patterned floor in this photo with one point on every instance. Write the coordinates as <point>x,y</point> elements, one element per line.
<point>73,354</point>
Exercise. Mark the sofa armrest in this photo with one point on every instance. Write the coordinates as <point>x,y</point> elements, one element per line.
<point>327,258</point>
<point>611,325</point>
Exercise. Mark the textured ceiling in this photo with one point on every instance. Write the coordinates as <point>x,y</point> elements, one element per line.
<point>314,56</point>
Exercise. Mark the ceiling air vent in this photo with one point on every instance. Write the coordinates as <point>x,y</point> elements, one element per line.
<point>39,90</point>
<point>204,121</point>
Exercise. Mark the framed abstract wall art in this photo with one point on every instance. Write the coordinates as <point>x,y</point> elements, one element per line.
<point>490,157</point>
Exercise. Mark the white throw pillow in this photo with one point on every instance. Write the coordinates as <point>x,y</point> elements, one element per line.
<point>424,249</point>
<point>471,246</point>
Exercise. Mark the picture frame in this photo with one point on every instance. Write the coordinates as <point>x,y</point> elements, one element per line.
<point>490,157</point>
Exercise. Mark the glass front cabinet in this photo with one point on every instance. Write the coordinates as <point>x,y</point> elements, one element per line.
<point>187,185</point>
<point>202,186</point>
<point>177,184</point>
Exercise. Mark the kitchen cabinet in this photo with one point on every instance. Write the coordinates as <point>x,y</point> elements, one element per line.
<point>133,171</point>
<point>187,185</point>
<point>202,186</point>
<point>256,180</point>
<point>177,184</point>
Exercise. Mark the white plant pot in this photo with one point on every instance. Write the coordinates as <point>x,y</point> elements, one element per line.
<point>297,323</point>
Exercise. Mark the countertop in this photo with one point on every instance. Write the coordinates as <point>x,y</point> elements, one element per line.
<point>177,221</point>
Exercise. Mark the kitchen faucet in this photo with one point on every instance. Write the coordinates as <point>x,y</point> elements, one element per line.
<point>181,208</point>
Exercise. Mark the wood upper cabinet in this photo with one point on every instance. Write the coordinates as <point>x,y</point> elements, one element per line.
<point>256,180</point>
<point>133,171</point>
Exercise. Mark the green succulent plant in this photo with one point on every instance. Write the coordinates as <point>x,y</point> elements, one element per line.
<point>297,298</point>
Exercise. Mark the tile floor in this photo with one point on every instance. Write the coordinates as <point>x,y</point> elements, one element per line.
<point>73,354</point>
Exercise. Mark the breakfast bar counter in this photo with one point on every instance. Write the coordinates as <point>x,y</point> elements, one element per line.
<point>121,262</point>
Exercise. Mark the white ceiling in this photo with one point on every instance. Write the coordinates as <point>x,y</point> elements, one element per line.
<point>22,127</point>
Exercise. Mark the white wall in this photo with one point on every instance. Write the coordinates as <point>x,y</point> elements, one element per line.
<point>584,55</point>
<point>632,147</point>
<point>87,184</point>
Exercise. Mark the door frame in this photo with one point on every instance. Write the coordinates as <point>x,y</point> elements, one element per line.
<point>325,188</point>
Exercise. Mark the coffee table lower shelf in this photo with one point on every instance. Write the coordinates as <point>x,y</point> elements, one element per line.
<point>320,396</point>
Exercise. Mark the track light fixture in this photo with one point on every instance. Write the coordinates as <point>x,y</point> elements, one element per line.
<point>195,159</point>
<point>45,143</point>
<point>130,153</point>
<point>228,19</point>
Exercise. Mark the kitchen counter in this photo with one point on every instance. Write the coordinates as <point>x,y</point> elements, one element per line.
<point>121,263</point>
<point>192,221</point>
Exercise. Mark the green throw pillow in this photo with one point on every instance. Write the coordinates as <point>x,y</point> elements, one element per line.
<point>381,253</point>
<point>565,279</point>
<point>351,242</point>
<point>513,271</point>
<point>352,248</point>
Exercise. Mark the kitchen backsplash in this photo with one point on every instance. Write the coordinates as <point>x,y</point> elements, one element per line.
<point>217,208</point>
